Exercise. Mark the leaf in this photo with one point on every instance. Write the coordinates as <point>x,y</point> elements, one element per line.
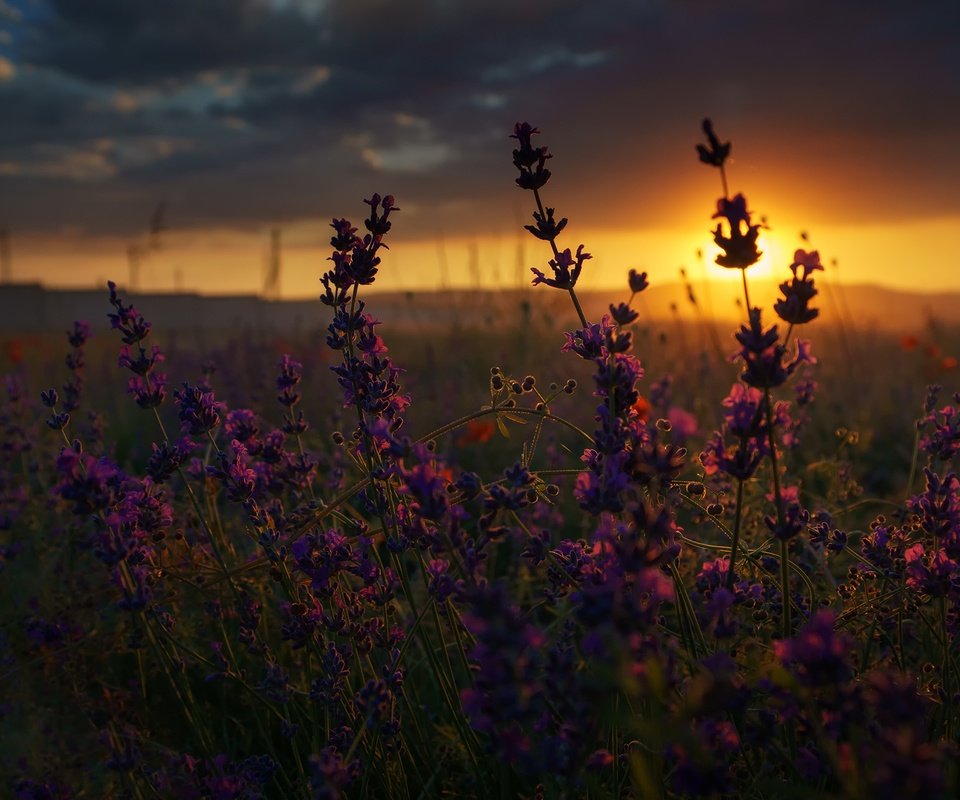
<point>513,417</point>
<point>503,428</point>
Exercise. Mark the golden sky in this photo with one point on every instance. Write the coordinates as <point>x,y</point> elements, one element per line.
<point>284,113</point>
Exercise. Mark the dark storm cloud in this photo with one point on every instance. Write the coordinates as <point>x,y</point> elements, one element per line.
<point>135,42</point>
<point>239,112</point>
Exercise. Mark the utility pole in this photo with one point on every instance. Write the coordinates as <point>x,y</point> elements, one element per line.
<point>271,281</point>
<point>6,265</point>
<point>133,263</point>
<point>473,264</point>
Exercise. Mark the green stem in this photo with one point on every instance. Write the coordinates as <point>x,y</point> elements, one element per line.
<point>576,305</point>
<point>947,689</point>
<point>731,569</point>
<point>746,292</point>
<point>784,550</point>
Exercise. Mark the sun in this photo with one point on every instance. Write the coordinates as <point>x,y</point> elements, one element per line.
<point>774,262</point>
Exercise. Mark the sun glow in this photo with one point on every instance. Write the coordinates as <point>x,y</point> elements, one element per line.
<point>774,262</point>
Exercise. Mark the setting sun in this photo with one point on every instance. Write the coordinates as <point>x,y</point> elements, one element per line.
<point>774,263</point>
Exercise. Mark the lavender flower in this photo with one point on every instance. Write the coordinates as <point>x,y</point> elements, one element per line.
<point>199,412</point>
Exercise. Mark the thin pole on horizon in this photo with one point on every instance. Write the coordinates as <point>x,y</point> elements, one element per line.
<point>444,265</point>
<point>271,281</point>
<point>6,262</point>
<point>133,265</point>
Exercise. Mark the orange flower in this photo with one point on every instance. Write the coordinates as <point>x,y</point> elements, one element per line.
<point>909,343</point>
<point>13,350</point>
<point>642,407</point>
<point>950,362</point>
<point>478,430</point>
<point>932,350</point>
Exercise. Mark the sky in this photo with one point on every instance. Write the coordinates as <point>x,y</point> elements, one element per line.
<point>241,116</point>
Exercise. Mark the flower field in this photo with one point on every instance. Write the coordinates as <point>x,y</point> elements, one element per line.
<point>620,560</point>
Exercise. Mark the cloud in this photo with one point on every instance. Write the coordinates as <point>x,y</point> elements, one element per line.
<point>125,103</point>
<point>311,79</point>
<point>10,13</point>
<point>7,70</point>
<point>286,109</point>
<point>408,157</point>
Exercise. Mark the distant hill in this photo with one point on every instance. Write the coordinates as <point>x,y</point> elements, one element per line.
<point>30,308</point>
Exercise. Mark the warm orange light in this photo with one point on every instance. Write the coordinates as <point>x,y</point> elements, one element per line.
<point>774,262</point>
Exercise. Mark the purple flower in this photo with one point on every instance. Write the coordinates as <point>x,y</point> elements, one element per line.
<point>547,228</point>
<point>622,314</point>
<point>589,343</point>
<point>291,372</point>
<point>92,485</point>
<point>78,335</point>
<point>819,655</point>
<point>127,319</point>
<point>934,573</point>
<point>763,355</point>
<point>563,276</point>
<point>638,281</point>
<point>943,440</point>
<point>530,160</point>
<point>167,457</point>
<point>199,412</point>
<point>715,152</point>
<point>142,362</point>
<point>739,244</point>
<point>809,261</point>
<point>148,391</point>
<point>794,306</point>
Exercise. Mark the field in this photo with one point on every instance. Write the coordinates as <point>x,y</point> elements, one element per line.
<point>570,550</point>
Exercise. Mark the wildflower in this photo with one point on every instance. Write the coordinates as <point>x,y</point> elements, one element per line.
<point>938,510</point>
<point>590,342</point>
<point>934,573</point>
<point>795,516</point>
<point>528,159</point>
<point>546,228</point>
<point>642,407</point>
<point>763,355</point>
<point>291,373</point>
<point>683,424</point>
<point>127,319</point>
<point>943,438</point>
<point>638,281</point>
<point>167,457</point>
<point>819,655</point>
<point>793,307</point>
<point>479,431</point>
<point>563,276</point>
<point>92,485</point>
<point>714,153</point>
<point>197,409</point>
<point>378,223</point>
<point>622,314</point>
<point>739,245</point>
<point>149,391</point>
<point>345,236</point>
<point>332,774</point>
<point>142,363</point>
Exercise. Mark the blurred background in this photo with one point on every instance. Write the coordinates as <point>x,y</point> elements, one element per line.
<point>185,147</point>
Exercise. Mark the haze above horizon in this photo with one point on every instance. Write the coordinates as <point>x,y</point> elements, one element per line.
<point>161,146</point>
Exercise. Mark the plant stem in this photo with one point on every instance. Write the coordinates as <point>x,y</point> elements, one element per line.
<point>778,500</point>
<point>731,569</point>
